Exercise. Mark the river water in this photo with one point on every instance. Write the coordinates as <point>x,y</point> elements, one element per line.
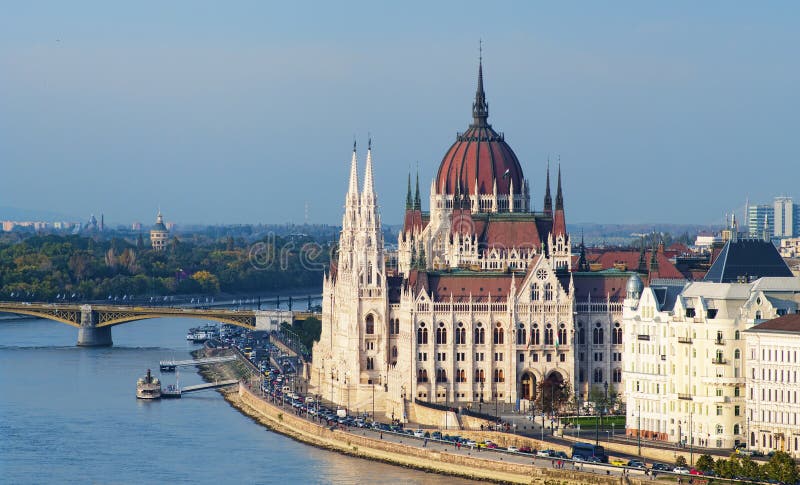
<point>69,415</point>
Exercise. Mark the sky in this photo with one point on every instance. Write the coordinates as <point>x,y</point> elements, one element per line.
<point>246,111</point>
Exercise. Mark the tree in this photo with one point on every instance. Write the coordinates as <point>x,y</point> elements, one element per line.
<point>552,396</point>
<point>704,462</point>
<point>680,461</point>
<point>781,467</point>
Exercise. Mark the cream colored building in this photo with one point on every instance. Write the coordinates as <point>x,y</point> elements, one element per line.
<point>159,234</point>
<point>483,305</point>
<point>685,357</point>
<point>773,350</point>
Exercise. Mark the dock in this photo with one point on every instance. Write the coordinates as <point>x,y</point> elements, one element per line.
<point>209,385</point>
<point>171,365</point>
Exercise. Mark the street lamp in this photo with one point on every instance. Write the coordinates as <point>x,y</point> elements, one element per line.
<point>480,404</point>
<point>639,429</point>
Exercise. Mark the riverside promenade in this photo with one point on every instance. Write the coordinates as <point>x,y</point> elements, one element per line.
<point>427,455</point>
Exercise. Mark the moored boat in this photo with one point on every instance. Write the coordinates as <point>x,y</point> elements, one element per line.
<point>148,387</point>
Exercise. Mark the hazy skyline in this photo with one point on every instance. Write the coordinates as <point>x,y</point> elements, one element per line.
<point>243,112</point>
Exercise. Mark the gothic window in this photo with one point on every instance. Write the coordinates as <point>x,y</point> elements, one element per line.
<point>548,334</point>
<point>535,291</point>
<point>462,375</point>
<point>480,376</point>
<point>480,334</point>
<point>394,355</point>
<point>581,334</point>
<point>370,324</point>
<point>562,335</point>
<point>737,354</point>
<point>597,334</point>
<point>370,363</point>
<point>535,334</point>
<point>461,334</point>
<point>441,334</point>
<point>521,335</point>
<point>736,335</point>
<point>441,375</point>
<point>422,334</point>
<point>498,334</point>
<point>616,336</point>
<point>548,291</point>
<point>499,376</point>
<point>422,375</point>
<point>598,375</point>
<point>617,376</point>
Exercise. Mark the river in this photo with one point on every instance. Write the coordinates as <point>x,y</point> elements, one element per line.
<point>69,415</point>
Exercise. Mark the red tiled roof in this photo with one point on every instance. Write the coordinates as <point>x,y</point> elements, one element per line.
<point>413,221</point>
<point>786,323</point>
<point>630,261</point>
<point>463,285</point>
<point>599,286</point>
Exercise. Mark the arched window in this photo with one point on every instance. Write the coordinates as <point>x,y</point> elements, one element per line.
<point>535,291</point>
<point>548,291</point>
<point>422,334</point>
<point>479,375</point>
<point>598,375</point>
<point>522,335</point>
<point>581,334</point>
<point>616,336</point>
<point>370,363</point>
<point>617,377</point>
<point>737,354</point>
<point>461,334</point>
<point>736,429</point>
<point>480,334</point>
<point>752,439</point>
<point>736,335</point>
<point>535,334</point>
<point>441,375</point>
<point>422,375</point>
<point>498,334</point>
<point>394,355</point>
<point>499,376</point>
<point>597,334</point>
<point>370,324</point>
<point>441,334</point>
<point>548,334</point>
<point>562,335</point>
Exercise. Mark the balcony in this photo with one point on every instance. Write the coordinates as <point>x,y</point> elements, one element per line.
<point>684,340</point>
<point>643,336</point>
<point>719,361</point>
<point>685,397</point>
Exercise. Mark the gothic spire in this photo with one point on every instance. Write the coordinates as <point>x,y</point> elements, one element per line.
<point>417,200</point>
<point>368,188</point>
<point>642,258</point>
<point>548,201</point>
<point>480,108</point>
<point>353,187</point>
<point>559,195</point>
<point>409,201</point>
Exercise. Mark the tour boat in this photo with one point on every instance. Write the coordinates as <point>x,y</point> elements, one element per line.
<point>148,387</point>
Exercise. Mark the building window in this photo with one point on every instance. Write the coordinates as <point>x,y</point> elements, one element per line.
<point>598,375</point>
<point>422,375</point>
<point>617,375</point>
<point>441,356</point>
<point>597,334</point>
<point>535,334</point>
<point>370,324</point>
<point>719,410</point>
<point>535,357</point>
<point>499,376</point>
<point>616,337</point>
<point>736,410</point>
<point>534,291</point>
<point>461,334</point>
<point>521,357</point>
<point>498,357</point>
<point>562,357</point>
<point>581,334</point>
<point>498,334</point>
<point>522,335</point>
<point>462,375</point>
<point>548,334</point>
<point>581,376</point>
<point>479,356</point>
<point>479,375</point>
<point>480,334</point>
<point>441,334</point>
<point>370,363</point>
<point>441,375</point>
<point>422,334</point>
<point>562,335</point>
<point>548,292</point>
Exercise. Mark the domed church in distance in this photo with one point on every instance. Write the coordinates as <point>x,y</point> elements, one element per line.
<point>487,302</point>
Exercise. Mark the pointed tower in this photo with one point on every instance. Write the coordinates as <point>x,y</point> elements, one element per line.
<point>559,221</point>
<point>562,249</point>
<point>417,199</point>
<point>548,201</point>
<point>642,268</point>
<point>350,220</point>
<point>409,201</point>
<point>583,263</point>
<point>480,108</point>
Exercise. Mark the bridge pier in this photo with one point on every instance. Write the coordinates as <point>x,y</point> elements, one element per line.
<point>89,335</point>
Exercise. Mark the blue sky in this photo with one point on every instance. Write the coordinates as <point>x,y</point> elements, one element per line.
<point>246,111</point>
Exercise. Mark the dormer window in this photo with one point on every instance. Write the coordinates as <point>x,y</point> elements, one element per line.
<point>690,313</point>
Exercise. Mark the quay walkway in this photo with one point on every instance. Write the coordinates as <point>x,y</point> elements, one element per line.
<point>170,365</point>
<point>209,385</point>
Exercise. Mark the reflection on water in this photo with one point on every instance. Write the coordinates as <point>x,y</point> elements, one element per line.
<point>69,414</point>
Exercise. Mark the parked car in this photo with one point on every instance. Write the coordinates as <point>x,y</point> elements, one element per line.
<point>491,446</point>
<point>419,433</point>
<point>470,443</point>
<point>681,470</point>
<point>660,467</point>
<point>636,464</point>
<point>513,449</point>
<point>544,453</point>
<point>695,471</point>
<point>559,454</point>
<point>525,449</point>
<point>617,462</point>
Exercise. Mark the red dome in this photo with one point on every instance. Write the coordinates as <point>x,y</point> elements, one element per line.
<point>479,154</point>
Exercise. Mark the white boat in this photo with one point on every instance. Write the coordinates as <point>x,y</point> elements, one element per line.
<point>148,387</point>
